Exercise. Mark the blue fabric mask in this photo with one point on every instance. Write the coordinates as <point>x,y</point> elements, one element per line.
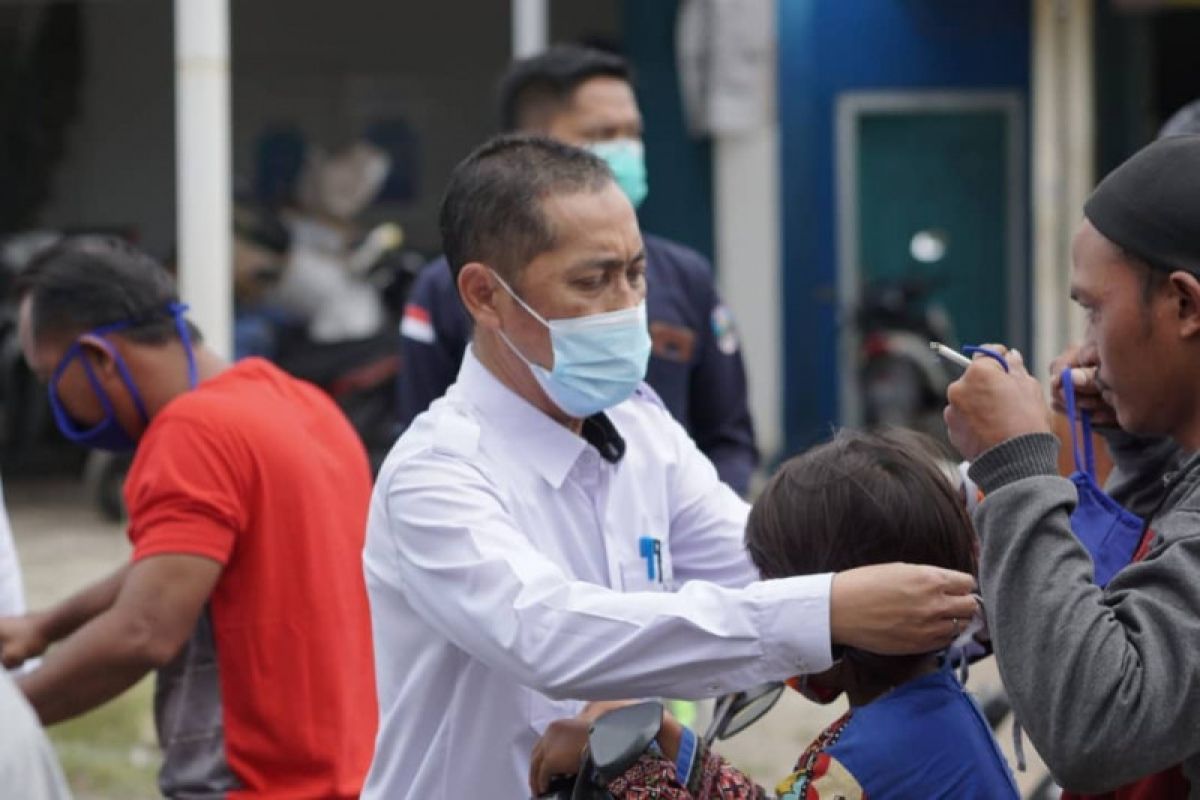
<point>598,359</point>
<point>108,433</point>
<point>1110,533</point>
<point>626,159</point>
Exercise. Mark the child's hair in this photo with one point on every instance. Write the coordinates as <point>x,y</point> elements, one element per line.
<point>860,499</point>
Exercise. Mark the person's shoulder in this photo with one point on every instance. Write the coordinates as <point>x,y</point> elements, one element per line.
<point>239,397</point>
<point>644,413</point>
<point>1180,517</point>
<point>434,279</point>
<point>447,430</point>
<point>446,444</point>
<point>678,260</point>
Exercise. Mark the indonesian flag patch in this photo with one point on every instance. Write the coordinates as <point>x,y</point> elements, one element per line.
<point>417,324</point>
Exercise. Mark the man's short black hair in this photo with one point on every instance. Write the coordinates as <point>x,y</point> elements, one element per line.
<point>535,89</point>
<point>492,209</point>
<point>86,282</point>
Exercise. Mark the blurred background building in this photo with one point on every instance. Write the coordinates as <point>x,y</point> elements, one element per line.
<point>813,148</point>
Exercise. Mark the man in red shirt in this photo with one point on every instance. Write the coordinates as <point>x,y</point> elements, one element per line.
<point>247,499</point>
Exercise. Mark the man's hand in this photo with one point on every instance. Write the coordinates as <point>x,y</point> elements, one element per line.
<point>1083,366</point>
<point>160,599</point>
<point>989,406</point>
<point>900,609</point>
<point>558,752</point>
<point>21,638</point>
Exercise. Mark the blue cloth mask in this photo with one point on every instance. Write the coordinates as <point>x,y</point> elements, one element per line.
<point>1110,533</point>
<point>599,359</point>
<point>626,159</point>
<point>108,433</point>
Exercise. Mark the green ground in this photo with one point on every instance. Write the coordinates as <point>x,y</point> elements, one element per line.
<point>112,753</point>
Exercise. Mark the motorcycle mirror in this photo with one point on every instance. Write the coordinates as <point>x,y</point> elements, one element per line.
<point>738,711</point>
<point>617,739</point>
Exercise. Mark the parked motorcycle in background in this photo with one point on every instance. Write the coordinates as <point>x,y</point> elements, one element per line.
<point>903,382</point>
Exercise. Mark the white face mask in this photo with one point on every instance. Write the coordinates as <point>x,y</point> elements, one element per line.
<point>599,359</point>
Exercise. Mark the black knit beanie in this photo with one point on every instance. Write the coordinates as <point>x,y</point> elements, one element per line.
<point>1150,205</point>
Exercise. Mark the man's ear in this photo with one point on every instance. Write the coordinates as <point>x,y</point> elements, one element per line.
<point>1186,290</point>
<point>99,354</point>
<point>478,288</point>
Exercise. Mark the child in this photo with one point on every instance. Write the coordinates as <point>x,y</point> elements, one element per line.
<point>911,731</point>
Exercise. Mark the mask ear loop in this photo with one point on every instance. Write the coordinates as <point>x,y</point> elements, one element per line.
<point>517,297</point>
<point>177,311</point>
<point>126,378</point>
<point>64,420</point>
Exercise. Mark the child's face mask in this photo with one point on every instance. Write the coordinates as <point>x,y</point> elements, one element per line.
<point>814,690</point>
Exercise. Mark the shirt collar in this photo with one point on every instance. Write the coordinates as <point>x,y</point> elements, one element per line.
<point>551,448</point>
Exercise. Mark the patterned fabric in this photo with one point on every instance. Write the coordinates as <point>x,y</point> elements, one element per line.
<point>654,778</point>
<point>818,775</point>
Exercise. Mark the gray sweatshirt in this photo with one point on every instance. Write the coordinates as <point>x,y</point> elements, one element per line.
<point>1105,682</point>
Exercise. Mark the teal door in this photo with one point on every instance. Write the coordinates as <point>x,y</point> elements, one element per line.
<point>934,193</point>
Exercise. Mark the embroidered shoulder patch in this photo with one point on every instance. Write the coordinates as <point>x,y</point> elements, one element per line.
<point>724,330</point>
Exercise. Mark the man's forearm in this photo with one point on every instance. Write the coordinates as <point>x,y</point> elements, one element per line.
<point>60,621</point>
<point>104,658</point>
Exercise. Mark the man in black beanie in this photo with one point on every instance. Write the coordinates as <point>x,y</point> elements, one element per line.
<point>1105,681</point>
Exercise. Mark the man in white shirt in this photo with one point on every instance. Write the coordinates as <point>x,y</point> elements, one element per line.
<point>546,534</point>
<point>28,766</point>
<point>12,589</point>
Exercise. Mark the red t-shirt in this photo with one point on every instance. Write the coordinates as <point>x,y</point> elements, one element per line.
<point>262,473</point>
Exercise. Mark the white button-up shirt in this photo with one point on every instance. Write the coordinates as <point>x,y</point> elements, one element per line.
<point>505,568</point>
<point>12,592</point>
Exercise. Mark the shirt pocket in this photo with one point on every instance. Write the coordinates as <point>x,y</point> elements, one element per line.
<point>651,569</point>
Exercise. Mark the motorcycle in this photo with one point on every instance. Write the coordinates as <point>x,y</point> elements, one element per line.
<point>903,382</point>
<point>619,738</point>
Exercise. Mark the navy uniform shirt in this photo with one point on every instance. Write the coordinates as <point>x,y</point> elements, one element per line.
<point>695,363</point>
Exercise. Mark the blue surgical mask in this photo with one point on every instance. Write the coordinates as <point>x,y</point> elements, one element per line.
<point>599,359</point>
<point>626,158</point>
<point>1110,533</point>
<point>108,433</point>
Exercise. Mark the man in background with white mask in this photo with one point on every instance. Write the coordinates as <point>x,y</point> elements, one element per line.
<point>585,97</point>
<point>546,534</point>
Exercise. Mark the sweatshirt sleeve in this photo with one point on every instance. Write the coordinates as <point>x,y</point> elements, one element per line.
<point>1105,682</point>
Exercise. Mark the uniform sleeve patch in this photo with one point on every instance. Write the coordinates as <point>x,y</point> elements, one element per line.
<point>724,330</point>
<point>672,342</point>
<point>417,324</point>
